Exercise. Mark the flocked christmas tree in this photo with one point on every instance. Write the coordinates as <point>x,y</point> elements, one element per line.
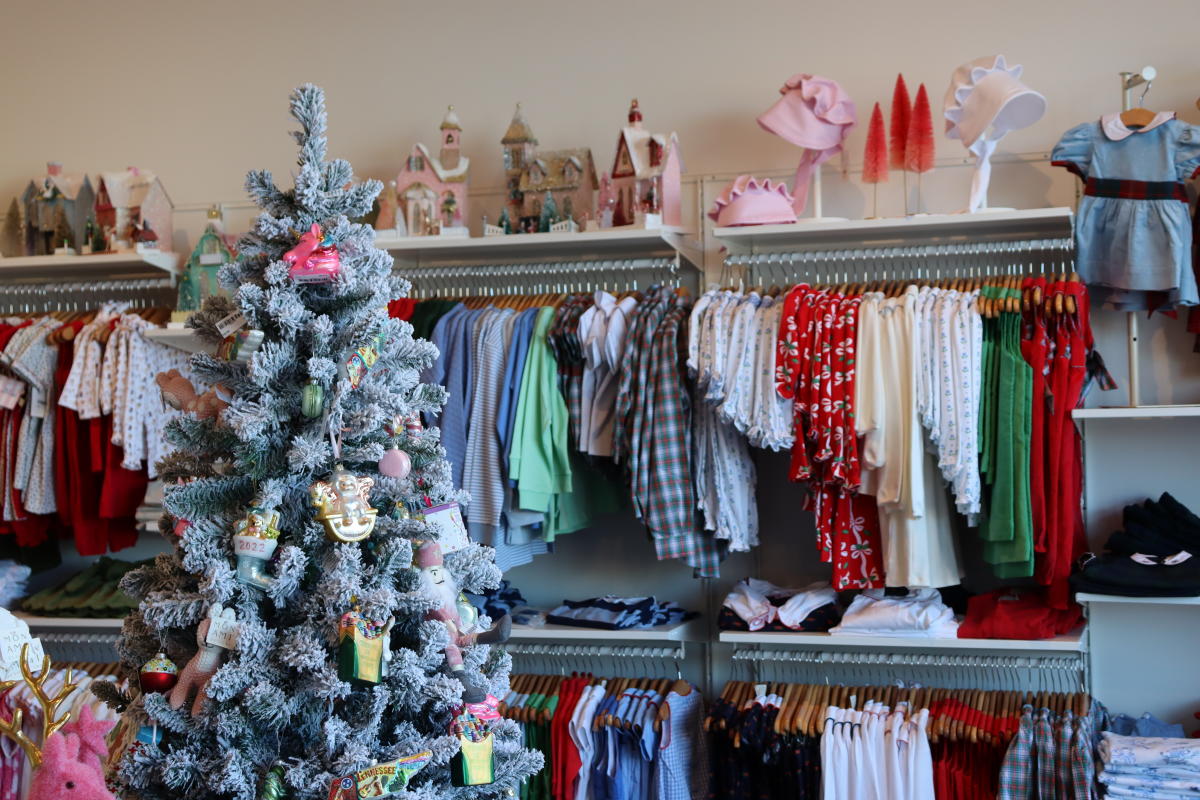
<point>342,651</point>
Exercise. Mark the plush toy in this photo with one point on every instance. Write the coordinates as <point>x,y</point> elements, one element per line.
<point>200,670</point>
<point>437,581</point>
<point>67,771</point>
<point>93,736</point>
<point>179,393</point>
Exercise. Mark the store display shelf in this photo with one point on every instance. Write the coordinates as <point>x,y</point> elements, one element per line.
<point>430,251</point>
<point>184,339</point>
<point>83,624</point>
<point>1071,642</point>
<point>1137,412</point>
<point>683,632</point>
<point>1087,597</point>
<point>101,266</point>
<point>1034,223</point>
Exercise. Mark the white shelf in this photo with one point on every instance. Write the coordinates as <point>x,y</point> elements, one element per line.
<point>1138,412</point>
<point>107,266</point>
<point>184,339</point>
<point>1072,642</point>
<point>683,632</point>
<point>1087,597</point>
<point>98,625</point>
<point>426,251</point>
<point>1034,223</point>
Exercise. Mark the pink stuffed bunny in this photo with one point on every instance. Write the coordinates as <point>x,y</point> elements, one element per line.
<point>92,733</point>
<point>65,773</point>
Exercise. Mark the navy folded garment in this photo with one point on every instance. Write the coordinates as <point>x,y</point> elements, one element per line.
<point>617,613</point>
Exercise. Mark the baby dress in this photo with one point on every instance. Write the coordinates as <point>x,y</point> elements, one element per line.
<point>1133,236</point>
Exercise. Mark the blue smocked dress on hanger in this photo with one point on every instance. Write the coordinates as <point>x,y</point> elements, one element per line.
<point>1133,233</point>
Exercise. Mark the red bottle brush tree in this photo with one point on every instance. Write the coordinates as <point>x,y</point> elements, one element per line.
<point>918,146</point>
<point>901,111</point>
<point>875,157</point>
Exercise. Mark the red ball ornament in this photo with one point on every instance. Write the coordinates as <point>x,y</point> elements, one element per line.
<point>395,463</point>
<point>159,674</point>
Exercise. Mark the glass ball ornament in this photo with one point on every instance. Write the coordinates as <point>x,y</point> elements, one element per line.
<point>395,463</point>
<point>159,674</point>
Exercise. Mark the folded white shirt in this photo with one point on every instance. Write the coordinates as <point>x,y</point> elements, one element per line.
<point>1150,751</point>
<point>919,613</point>
<point>751,598</point>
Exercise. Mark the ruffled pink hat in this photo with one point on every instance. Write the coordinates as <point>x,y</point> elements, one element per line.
<point>813,113</point>
<point>747,202</point>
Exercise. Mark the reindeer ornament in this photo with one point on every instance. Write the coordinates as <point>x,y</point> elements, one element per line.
<point>200,670</point>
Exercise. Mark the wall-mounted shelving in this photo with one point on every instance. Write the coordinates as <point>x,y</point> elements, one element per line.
<point>1070,643</point>
<point>184,339</point>
<point>692,631</point>
<point>76,624</point>
<point>612,243</point>
<point>101,266</point>
<point>1036,223</point>
<point>1088,598</point>
<point>1137,412</point>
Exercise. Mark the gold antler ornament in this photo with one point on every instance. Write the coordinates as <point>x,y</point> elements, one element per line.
<point>51,722</point>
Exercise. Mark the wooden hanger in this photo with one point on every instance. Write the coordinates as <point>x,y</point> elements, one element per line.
<point>1138,117</point>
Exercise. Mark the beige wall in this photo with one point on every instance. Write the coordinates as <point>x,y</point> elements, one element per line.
<point>197,90</point>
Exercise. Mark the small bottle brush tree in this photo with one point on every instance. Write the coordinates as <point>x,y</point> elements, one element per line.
<point>276,715</point>
<point>875,157</point>
<point>918,145</point>
<point>898,131</point>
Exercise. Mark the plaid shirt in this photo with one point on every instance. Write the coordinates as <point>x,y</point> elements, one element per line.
<point>627,388</point>
<point>1083,763</point>
<point>1043,741</point>
<point>1017,770</point>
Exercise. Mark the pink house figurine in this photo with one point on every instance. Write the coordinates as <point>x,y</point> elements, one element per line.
<point>431,193</point>
<point>646,175</point>
<point>126,200</point>
<point>568,176</point>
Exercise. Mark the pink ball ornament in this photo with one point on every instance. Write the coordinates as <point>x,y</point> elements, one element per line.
<point>395,463</point>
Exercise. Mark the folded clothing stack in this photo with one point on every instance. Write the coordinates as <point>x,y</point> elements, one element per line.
<point>95,592</point>
<point>617,613</point>
<point>1145,767</point>
<point>1145,725</point>
<point>1017,614</point>
<point>920,613</point>
<point>1156,555</point>
<point>12,582</point>
<point>755,605</point>
<point>505,599</point>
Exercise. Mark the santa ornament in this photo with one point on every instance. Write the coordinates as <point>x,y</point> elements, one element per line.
<point>986,100</point>
<point>438,583</point>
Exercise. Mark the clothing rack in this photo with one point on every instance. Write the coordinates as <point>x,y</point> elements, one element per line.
<point>966,259</point>
<point>29,298</point>
<point>1058,673</point>
<point>566,658</point>
<point>543,277</point>
<point>64,646</point>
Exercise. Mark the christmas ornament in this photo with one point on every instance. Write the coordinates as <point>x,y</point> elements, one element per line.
<point>875,162</point>
<point>312,399</point>
<point>159,674</point>
<point>254,542</point>
<point>273,787</point>
<point>216,633</point>
<point>474,764</point>
<point>380,780</point>
<point>362,360</point>
<point>240,346</point>
<point>395,463</point>
<point>314,259</point>
<point>446,523</point>
<point>343,505</point>
<point>438,583</point>
<point>181,526</point>
<point>412,425</point>
<point>363,648</point>
<point>179,393</point>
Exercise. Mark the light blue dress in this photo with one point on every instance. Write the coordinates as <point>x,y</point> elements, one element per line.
<point>1133,233</point>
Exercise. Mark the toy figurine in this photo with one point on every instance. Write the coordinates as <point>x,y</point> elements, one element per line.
<point>314,259</point>
<point>179,393</point>
<point>437,582</point>
<point>343,507</point>
<point>204,664</point>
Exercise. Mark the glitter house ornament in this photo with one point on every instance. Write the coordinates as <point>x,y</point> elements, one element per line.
<point>159,674</point>
<point>255,539</point>
<point>343,505</point>
<point>314,259</point>
<point>363,648</point>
